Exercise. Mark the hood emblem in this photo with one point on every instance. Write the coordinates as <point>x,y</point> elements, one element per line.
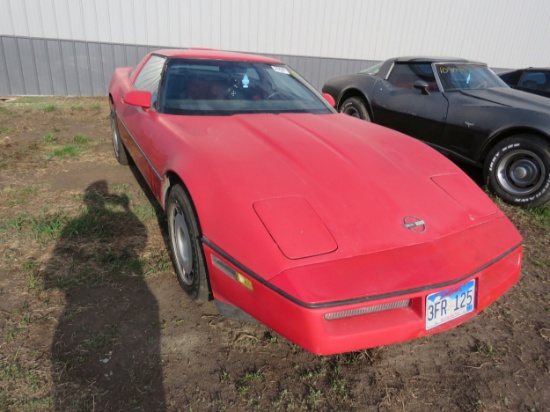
<point>414,224</point>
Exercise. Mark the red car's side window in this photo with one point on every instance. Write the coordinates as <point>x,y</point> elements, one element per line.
<point>149,77</point>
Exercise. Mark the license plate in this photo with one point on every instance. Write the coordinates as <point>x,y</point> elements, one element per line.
<point>450,304</point>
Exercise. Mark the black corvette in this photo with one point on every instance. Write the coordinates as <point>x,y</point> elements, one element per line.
<point>532,80</point>
<point>462,109</point>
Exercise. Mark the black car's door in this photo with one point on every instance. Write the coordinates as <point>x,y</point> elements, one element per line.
<point>398,105</point>
<point>470,120</point>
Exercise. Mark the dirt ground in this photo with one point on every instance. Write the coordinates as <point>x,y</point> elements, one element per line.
<point>92,317</point>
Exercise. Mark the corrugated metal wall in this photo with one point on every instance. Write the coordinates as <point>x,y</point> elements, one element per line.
<point>71,46</point>
<point>78,68</point>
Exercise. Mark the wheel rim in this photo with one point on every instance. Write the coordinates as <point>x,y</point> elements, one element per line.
<point>114,133</point>
<point>352,111</point>
<point>183,248</point>
<point>521,172</point>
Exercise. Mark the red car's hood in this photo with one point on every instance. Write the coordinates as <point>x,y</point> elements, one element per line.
<point>288,190</point>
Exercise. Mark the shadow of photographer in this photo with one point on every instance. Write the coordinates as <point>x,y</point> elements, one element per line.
<point>106,347</point>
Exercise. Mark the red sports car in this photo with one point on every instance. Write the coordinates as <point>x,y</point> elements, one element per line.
<point>338,234</point>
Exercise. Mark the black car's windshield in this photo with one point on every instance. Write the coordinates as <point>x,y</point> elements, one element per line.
<point>372,69</point>
<point>222,87</point>
<point>466,76</point>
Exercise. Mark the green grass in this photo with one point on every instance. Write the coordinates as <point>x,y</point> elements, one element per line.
<point>146,211</point>
<point>71,150</point>
<point>80,107</point>
<point>31,100</point>
<point>6,130</point>
<point>158,262</point>
<point>29,266</point>
<point>99,341</point>
<point>14,372</point>
<point>20,195</point>
<point>74,276</point>
<point>67,152</point>
<point>49,104</point>
<point>49,138</point>
<point>541,216</point>
<point>93,222</point>
<point>16,223</point>
<point>81,139</point>
<point>4,110</point>
<point>48,226</point>
<point>119,260</point>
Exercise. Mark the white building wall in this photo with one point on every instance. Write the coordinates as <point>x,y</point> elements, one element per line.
<point>70,47</point>
<point>503,33</point>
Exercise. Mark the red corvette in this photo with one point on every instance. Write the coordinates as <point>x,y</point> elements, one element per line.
<point>338,234</point>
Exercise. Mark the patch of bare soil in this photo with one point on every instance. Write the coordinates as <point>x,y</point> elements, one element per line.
<point>92,317</point>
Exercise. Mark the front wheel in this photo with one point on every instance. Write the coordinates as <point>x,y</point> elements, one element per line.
<point>518,170</point>
<point>355,107</point>
<point>185,247</point>
<point>118,146</point>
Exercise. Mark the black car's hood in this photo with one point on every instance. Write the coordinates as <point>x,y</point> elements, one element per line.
<point>511,98</point>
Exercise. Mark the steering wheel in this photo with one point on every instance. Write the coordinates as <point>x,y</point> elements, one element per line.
<point>275,93</point>
<point>482,85</point>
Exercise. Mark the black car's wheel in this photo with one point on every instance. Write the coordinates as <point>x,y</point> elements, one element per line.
<point>355,107</point>
<point>119,149</point>
<point>187,254</point>
<point>518,170</point>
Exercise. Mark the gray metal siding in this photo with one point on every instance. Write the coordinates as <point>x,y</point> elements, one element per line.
<point>13,66</point>
<point>56,68</point>
<point>4,80</point>
<point>71,80</point>
<point>77,68</point>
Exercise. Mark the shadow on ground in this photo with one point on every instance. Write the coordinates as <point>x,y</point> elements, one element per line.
<point>106,347</point>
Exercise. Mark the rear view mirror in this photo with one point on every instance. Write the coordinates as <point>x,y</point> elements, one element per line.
<point>422,86</point>
<point>138,98</point>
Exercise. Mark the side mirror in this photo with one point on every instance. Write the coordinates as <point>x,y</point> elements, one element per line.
<point>329,99</point>
<point>138,98</point>
<point>422,86</point>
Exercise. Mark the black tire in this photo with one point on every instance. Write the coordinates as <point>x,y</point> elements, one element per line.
<point>185,247</point>
<point>518,170</point>
<point>355,107</point>
<point>118,146</point>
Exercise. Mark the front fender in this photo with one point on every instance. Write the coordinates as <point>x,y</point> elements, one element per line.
<point>501,134</point>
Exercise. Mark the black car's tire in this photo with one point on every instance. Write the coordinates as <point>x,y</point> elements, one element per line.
<point>518,170</point>
<point>355,107</point>
<point>186,250</point>
<point>118,146</point>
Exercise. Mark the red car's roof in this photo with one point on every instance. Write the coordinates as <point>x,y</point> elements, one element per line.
<point>199,53</point>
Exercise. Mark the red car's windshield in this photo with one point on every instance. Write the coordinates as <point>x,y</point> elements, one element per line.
<point>223,87</point>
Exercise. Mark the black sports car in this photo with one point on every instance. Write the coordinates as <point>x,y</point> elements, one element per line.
<point>532,80</point>
<point>462,109</point>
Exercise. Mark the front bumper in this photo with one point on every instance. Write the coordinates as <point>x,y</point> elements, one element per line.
<point>307,325</point>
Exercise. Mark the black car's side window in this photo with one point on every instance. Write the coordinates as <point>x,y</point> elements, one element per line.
<point>535,80</point>
<point>149,77</point>
<point>404,75</point>
<point>511,78</point>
